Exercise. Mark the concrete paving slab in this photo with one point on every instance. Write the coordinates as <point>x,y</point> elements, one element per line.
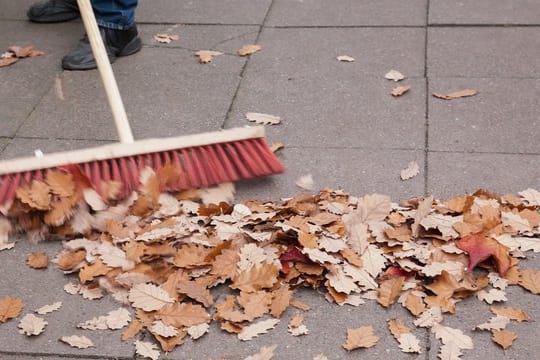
<point>312,53</point>
<point>341,109</point>
<point>347,13</point>
<point>356,171</point>
<point>483,52</point>
<point>452,174</point>
<point>42,287</point>
<point>25,82</point>
<point>4,143</point>
<point>22,356</point>
<point>471,312</point>
<point>227,39</point>
<point>484,12</point>
<point>203,11</point>
<point>24,147</point>
<point>158,85</point>
<point>327,324</point>
<point>502,117</point>
<point>14,10</point>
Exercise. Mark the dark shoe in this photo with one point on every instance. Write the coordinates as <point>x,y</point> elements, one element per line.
<point>51,11</point>
<point>117,43</point>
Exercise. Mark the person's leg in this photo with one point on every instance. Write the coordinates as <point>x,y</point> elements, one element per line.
<point>116,21</point>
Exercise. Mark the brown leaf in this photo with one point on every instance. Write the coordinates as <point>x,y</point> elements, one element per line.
<point>255,304</point>
<point>36,195</point>
<point>38,260</point>
<point>27,51</point>
<point>135,326</point>
<point>6,61</point>
<point>414,304</point>
<point>504,338</point>
<point>89,272</point>
<point>258,278</point>
<point>206,56</point>
<point>254,330</point>
<point>10,307</point>
<point>389,290</point>
<point>400,90</point>
<point>299,305</point>
<point>362,337</point>
<point>249,49</point>
<point>456,95</point>
<point>60,183</point>
<point>189,256</point>
<point>165,38</point>
<point>81,342</point>
<point>397,327</point>
<point>195,291</point>
<point>184,314</point>
<point>170,343</point>
<point>530,280</point>
<point>511,313</point>
<point>70,259</point>
<point>281,299</point>
<point>224,265</point>
<point>61,211</point>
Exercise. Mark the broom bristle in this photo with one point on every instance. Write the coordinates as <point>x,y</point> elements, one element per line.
<point>198,167</point>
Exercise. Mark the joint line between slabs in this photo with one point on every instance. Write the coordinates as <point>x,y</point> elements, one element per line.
<point>426,121</point>
<point>244,67</point>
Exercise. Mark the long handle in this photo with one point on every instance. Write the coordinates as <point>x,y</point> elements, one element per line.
<point>105,70</point>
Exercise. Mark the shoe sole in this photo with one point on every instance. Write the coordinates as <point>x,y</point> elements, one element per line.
<point>132,47</point>
<point>53,19</point>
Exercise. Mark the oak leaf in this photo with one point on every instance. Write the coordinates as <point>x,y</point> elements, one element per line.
<point>183,315</point>
<point>531,196</point>
<point>197,331</point>
<point>414,304</point>
<point>258,278</point>
<point>32,325</point>
<point>491,295</point>
<point>36,195</point>
<point>149,297</point>
<point>362,337</point>
<point>255,304</point>
<point>132,330</point>
<point>480,248</point>
<point>81,342</point>
<point>89,272</point>
<point>114,257</point>
<point>412,170</point>
<point>345,58</point>
<point>389,290</point>
<point>91,292</point>
<point>195,291</point>
<point>249,49</point>
<point>263,119</point>
<point>256,329</point>
<point>60,183</point>
<point>165,38</point>
<point>504,338</point>
<point>161,329</point>
<point>281,299</point>
<point>38,260</point>
<point>449,335</point>
<point>530,280</point>
<point>511,313</point>
<point>394,75</point>
<point>49,308</point>
<point>206,56</point>
<point>146,349</point>
<point>170,343</point>
<point>70,259</point>
<point>373,260</point>
<point>495,323</point>
<point>456,94</point>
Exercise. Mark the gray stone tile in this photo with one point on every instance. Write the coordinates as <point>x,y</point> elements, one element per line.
<point>25,82</point>
<point>4,143</point>
<point>502,117</point>
<point>41,287</point>
<point>327,324</point>
<point>312,52</point>
<point>14,10</point>
<point>334,106</point>
<point>483,52</point>
<point>166,93</point>
<point>227,39</point>
<point>452,174</point>
<point>203,11</point>
<point>25,147</point>
<point>484,12</point>
<point>356,171</point>
<point>347,13</point>
<point>26,356</point>
<point>471,312</point>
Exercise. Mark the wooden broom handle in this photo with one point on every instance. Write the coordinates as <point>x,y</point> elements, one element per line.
<point>105,70</point>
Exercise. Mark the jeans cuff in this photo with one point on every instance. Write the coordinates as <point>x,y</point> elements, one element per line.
<point>114,26</point>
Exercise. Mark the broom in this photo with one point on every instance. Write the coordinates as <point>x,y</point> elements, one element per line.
<point>201,160</point>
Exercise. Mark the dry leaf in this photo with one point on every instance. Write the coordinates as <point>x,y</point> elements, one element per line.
<point>89,272</point>
<point>249,49</point>
<point>263,119</point>
<point>7,246</point>
<point>305,182</point>
<point>491,295</point>
<point>49,308</point>
<point>183,315</point>
<point>373,260</point>
<point>91,293</point>
<point>504,338</point>
<point>10,307</point>
<point>256,329</point>
<point>206,56</point>
<point>362,337</point>
<point>132,330</point>
<point>495,323</point>
<point>394,75</point>
<point>281,299</point>
<point>38,260</point>
<point>511,313</point>
<point>389,290</point>
<point>456,95</point>
<point>266,353</point>
<point>411,171</point>
<point>530,280</point>
<point>149,297</point>
<point>399,91</point>
<point>275,147</point>
<point>146,349</point>
<point>165,38</point>
<point>345,58</point>
<point>196,331</point>
<point>449,335</point>
<point>159,328</point>
<point>32,325</point>
<point>72,288</point>
<point>81,342</point>
<point>531,196</point>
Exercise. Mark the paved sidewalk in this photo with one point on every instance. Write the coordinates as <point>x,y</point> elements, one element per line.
<point>340,124</point>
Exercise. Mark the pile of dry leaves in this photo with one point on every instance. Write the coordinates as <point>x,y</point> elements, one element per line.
<point>162,254</point>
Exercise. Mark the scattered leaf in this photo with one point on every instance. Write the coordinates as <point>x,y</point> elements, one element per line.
<point>10,307</point>
<point>345,58</point>
<point>400,90</point>
<point>263,119</point>
<point>511,313</point>
<point>305,182</point>
<point>38,260</point>
<point>394,75</point>
<point>362,337</point>
<point>197,331</point>
<point>49,308</point>
<point>146,349</point>
<point>256,329</point>
<point>165,38</point>
<point>249,49</point>
<point>149,297</point>
<point>32,325</point>
<point>411,171</point>
<point>81,342</point>
<point>456,95</point>
<point>206,56</point>
<point>504,338</point>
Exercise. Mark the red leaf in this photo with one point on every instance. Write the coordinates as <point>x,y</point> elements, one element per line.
<point>294,255</point>
<point>480,248</point>
<point>395,271</point>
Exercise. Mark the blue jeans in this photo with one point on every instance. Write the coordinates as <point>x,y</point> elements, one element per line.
<point>115,14</point>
